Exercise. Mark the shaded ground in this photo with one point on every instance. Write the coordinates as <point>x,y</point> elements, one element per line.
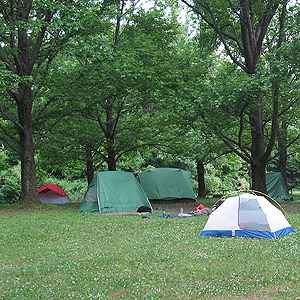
<point>170,206</point>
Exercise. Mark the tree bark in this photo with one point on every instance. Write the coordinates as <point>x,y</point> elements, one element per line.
<point>29,191</point>
<point>259,177</point>
<point>200,179</point>
<point>111,158</point>
<point>258,152</point>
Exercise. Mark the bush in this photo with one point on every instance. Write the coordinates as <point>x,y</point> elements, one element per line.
<point>10,184</point>
<point>74,188</point>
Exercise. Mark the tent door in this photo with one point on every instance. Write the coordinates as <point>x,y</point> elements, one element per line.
<point>251,216</point>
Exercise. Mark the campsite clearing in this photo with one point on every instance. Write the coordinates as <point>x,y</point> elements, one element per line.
<point>54,252</point>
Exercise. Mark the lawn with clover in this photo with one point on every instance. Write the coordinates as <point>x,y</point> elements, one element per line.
<point>57,253</point>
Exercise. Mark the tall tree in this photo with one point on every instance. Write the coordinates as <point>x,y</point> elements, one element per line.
<point>119,86</point>
<point>32,33</point>
<point>285,62</point>
<point>243,27</point>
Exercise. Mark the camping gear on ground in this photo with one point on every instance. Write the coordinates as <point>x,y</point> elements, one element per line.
<point>144,209</point>
<point>275,186</point>
<point>247,215</point>
<point>114,191</point>
<point>166,216</point>
<point>203,212</point>
<point>166,184</point>
<point>52,194</point>
<point>198,206</point>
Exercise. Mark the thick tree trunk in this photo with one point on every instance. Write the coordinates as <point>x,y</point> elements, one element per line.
<point>200,178</point>
<point>29,189</point>
<point>258,153</point>
<point>111,156</point>
<point>111,161</point>
<point>110,135</point>
<point>259,177</point>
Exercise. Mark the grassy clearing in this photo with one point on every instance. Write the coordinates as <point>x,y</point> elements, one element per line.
<point>56,253</point>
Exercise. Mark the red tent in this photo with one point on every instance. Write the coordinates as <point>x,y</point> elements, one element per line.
<point>52,187</point>
<point>47,196</point>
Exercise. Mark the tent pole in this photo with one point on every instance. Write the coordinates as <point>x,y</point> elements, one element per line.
<point>98,204</point>
<point>150,204</point>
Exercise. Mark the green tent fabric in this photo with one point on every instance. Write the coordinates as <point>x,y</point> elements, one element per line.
<point>167,183</point>
<point>114,191</point>
<point>275,186</point>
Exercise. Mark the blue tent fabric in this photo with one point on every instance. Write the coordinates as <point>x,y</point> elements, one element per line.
<point>248,233</point>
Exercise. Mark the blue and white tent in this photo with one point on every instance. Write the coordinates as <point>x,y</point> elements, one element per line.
<point>247,215</point>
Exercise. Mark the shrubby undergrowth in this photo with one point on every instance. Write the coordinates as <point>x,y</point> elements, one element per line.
<point>75,188</point>
<point>10,179</point>
<point>10,182</point>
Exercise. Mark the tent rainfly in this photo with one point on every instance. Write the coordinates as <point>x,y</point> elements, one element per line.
<point>247,215</point>
<point>275,186</point>
<point>114,191</point>
<point>52,194</point>
<point>167,183</point>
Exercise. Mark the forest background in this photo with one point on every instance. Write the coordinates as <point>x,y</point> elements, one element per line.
<point>211,87</point>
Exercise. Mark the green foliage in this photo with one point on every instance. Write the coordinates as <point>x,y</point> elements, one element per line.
<point>292,169</point>
<point>75,189</point>
<point>10,180</point>
<point>72,182</point>
<point>121,85</point>
<point>226,174</point>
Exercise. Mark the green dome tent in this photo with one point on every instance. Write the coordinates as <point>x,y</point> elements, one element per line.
<point>114,191</point>
<point>275,186</point>
<point>166,184</point>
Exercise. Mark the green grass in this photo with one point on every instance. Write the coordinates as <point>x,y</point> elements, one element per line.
<point>56,253</point>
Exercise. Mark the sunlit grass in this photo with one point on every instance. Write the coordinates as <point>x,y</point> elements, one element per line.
<point>62,254</point>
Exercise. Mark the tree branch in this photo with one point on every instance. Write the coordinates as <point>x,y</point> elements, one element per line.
<point>214,25</point>
<point>8,141</point>
<point>8,63</point>
<point>10,118</point>
<point>245,155</point>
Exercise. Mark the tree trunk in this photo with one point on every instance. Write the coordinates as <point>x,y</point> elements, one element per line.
<point>29,189</point>
<point>282,133</point>
<point>200,178</point>
<point>111,157</point>
<point>259,177</point>
<point>258,153</point>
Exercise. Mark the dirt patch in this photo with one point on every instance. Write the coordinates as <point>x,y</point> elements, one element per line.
<point>173,206</point>
<point>13,210</point>
<point>169,206</point>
